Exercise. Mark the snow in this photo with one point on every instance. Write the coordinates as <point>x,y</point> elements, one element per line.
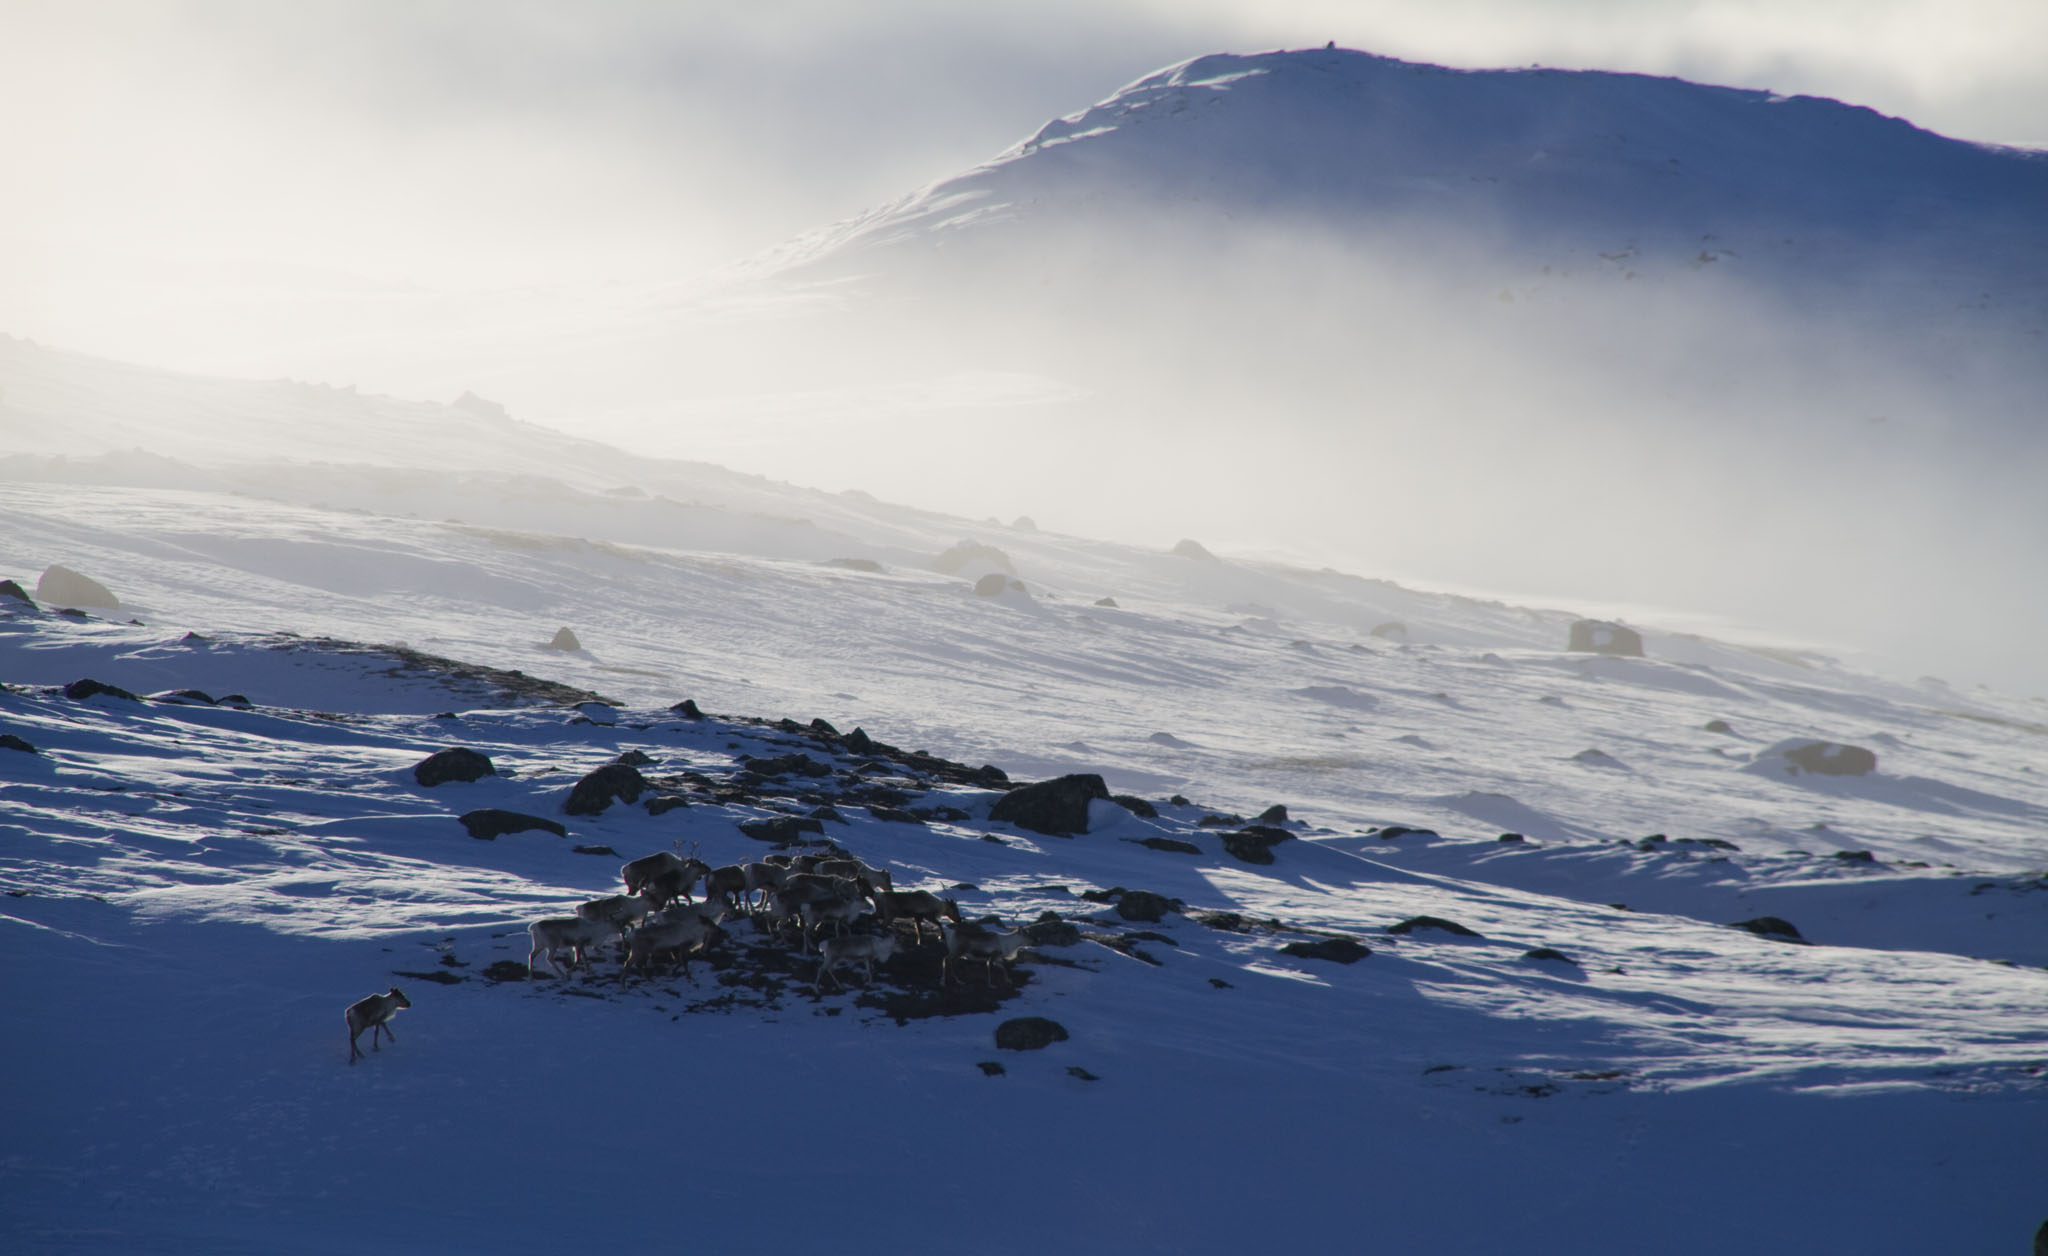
<point>195,890</point>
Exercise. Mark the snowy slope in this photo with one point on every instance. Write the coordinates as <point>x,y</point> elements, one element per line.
<point>196,890</point>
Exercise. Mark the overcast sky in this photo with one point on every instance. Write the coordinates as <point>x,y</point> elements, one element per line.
<point>226,185</point>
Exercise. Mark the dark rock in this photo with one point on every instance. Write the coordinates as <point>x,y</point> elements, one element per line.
<point>823,729</point>
<point>1228,921</point>
<point>1770,927</point>
<point>991,584</point>
<point>828,812</point>
<point>1548,953</point>
<point>1275,814</point>
<point>1598,636</point>
<point>1392,831</point>
<point>687,708</point>
<point>2041,1240</point>
<point>1254,843</point>
<point>1144,905</point>
<point>1718,843</point>
<point>1050,930</point>
<point>1719,726</point>
<point>1855,856</point>
<point>563,640</point>
<point>1189,548</point>
<point>859,742</point>
<point>665,803</point>
<point>634,758</point>
<point>1413,923</point>
<point>992,1068</point>
<point>61,586</point>
<point>10,589</point>
<point>456,763</point>
<point>1511,837</point>
<point>1214,821</point>
<point>1827,758</point>
<point>1136,806</point>
<point>1653,841</point>
<point>80,690</point>
<point>965,552</point>
<point>185,697</point>
<point>606,851</point>
<point>236,700</point>
<point>8,741</point>
<point>1110,602</point>
<point>1076,1071</point>
<point>506,970</point>
<point>1057,808</point>
<point>789,764</point>
<point>1029,1033</point>
<point>1171,844</point>
<point>614,782</point>
<point>782,830</point>
<point>1178,801</point>
<point>1336,950</point>
<point>490,822</point>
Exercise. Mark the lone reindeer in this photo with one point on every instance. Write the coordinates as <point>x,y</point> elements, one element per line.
<point>373,1014</point>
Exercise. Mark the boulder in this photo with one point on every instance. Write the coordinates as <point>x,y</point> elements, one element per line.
<point>991,584</point>
<point>1188,548</point>
<point>1413,923</point>
<point>781,830</point>
<point>1720,726</point>
<point>1136,806</point>
<point>1392,630</point>
<point>456,763</point>
<point>9,589</point>
<point>61,586</point>
<point>1254,843</point>
<point>1110,602</point>
<point>614,782</point>
<point>1144,906</point>
<point>1598,636</point>
<point>490,822</point>
<point>80,690</point>
<point>1050,930</point>
<point>1336,950</point>
<point>1173,844</point>
<point>687,708</point>
<point>1551,954</point>
<point>857,564</point>
<point>966,552</point>
<point>563,640</point>
<point>1029,1033</point>
<point>1275,814</point>
<point>1770,927</point>
<point>8,741</point>
<point>665,803</point>
<point>1057,808</point>
<point>1828,758</point>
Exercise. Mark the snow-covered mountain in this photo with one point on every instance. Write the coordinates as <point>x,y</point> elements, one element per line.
<point>199,882</point>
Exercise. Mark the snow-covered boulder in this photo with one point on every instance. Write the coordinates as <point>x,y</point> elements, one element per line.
<point>1796,755</point>
<point>1057,808</point>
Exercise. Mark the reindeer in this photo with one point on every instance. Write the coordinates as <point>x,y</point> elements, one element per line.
<point>839,912</point>
<point>917,906</point>
<point>728,884</point>
<point>863,947</point>
<point>858,871</point>
<point>676,874</point>
<point>374,1014</point>
<point>682,936</point>
<point>573,934</point>
<point>977,941</point>
<point>626,911</point>
<point>763,877</point>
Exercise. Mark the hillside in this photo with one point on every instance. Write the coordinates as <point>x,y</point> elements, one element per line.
<point>198,886</point>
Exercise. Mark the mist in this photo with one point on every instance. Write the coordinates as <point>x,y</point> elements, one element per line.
<point>558,212</point>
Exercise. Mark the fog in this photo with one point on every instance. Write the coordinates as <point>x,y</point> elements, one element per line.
<point>546,205</point>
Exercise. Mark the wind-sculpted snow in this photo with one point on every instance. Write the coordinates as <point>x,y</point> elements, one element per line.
<point>196,891</point>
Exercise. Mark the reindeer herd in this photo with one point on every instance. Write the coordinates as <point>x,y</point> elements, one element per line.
<point>840,908</point>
